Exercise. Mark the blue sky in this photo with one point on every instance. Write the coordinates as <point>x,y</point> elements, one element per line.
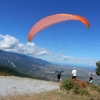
<point>66,42</point>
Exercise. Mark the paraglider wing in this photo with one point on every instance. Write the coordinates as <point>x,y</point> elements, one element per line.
<point>53,19</point>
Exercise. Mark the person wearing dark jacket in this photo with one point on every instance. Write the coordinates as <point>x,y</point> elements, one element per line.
<point>90,78</point>
<point>59,71</point>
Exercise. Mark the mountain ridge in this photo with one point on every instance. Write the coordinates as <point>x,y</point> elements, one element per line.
<point>23,63</point>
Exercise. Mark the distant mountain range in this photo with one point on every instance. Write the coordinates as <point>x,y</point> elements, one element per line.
<point>25,64</point>
<point>11,59</point>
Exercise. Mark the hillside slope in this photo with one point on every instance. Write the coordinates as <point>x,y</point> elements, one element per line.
<point>28,65</point>
<point>7,71</point>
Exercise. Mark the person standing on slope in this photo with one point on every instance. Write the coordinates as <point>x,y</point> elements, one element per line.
<point>90,78</point>
<point>74,73</point>
<point>59,74</point>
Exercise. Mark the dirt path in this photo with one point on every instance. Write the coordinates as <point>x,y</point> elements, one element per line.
<point>16,86</point>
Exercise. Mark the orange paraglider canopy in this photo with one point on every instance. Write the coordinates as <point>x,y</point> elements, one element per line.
<point>53,19</point>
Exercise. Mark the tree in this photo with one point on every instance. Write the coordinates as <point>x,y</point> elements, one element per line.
<point>98,68</point>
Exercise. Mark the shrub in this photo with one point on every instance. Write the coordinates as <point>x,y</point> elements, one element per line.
<point>83,83</point>
<point>78,87</point>
<point>67,84</point>
<point>80,91</point>
<point>77,90</point>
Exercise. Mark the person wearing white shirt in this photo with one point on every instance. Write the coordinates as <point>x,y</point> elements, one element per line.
<point>74,73</point>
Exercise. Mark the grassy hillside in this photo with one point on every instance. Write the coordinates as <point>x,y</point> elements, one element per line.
<point>61,95</point>
<point>7,71</point>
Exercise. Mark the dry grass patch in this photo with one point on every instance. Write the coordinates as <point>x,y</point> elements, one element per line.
<point>54,95</point>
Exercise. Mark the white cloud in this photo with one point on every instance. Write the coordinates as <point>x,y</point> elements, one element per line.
<point>43,53</point>
<point>10,43</point>
<point>65,58</point>
<point>70,59</point>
